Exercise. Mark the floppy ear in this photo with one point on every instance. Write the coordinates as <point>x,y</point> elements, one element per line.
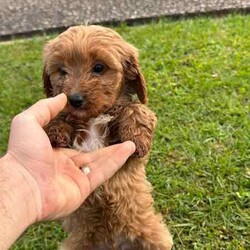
<point>135,79</point>
<point>46,83</point>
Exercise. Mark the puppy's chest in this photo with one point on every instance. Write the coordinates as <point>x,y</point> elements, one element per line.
<point>93,135</point>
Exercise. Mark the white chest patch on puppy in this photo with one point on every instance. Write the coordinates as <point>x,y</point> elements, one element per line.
<point>96,133</point>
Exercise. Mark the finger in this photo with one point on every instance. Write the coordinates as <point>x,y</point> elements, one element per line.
<point>45,110</point>
<point>108,161</point>
<point>117,153</point>
<point>80,179</point>
<point>68,152</point>
<point>102,170</point>
<point>69,169</point>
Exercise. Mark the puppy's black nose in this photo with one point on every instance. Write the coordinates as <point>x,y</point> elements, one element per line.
<point>75,100</point>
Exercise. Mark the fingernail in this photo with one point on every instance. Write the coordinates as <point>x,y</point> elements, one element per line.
<point>62,94</point>
<point>130,145</point>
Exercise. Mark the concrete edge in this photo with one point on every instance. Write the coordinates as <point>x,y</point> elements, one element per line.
<point>131,22</point>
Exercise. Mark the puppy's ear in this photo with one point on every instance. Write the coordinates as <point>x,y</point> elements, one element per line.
<point>135,79</point>
<point>47,83</point>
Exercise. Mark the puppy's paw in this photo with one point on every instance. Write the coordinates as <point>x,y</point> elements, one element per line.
<point>142,143</point>
<point>137,124</point>
<point>142,146</point>
<point>59,134</point>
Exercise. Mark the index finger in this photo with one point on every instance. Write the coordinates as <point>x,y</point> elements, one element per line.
<point>105,162</point>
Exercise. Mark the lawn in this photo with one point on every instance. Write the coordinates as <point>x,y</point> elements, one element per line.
<point>198,75</point>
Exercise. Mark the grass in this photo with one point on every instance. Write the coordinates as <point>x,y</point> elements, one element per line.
<point>198,74</point>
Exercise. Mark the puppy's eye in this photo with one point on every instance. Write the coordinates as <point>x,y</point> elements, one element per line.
<point>62,72</point>
<point>98,68</point>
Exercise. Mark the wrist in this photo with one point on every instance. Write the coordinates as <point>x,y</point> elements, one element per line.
<point>19,196</point>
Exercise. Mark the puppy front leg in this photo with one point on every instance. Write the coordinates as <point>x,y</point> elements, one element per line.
<point>137,124</point>
<point>59,132</point>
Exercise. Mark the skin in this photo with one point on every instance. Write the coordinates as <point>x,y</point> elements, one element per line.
<point>38,182</point>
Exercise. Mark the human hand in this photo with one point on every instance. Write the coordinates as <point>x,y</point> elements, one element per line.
<point>57,184</point>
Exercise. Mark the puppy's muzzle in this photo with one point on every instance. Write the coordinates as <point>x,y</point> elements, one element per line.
<point>76,100</point>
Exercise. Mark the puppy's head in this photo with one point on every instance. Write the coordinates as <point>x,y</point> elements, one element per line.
<point>93,66</point>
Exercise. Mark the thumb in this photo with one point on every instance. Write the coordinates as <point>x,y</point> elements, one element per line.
<point>45,110</point>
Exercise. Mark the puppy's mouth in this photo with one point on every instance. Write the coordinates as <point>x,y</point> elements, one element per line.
<point>79,113</point>
<point>77,106</point>
<point>80,107</point>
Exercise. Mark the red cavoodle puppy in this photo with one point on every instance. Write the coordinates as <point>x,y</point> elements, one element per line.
<point>99,72</point>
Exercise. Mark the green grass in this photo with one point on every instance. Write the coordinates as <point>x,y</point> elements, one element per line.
<point>198,74</point>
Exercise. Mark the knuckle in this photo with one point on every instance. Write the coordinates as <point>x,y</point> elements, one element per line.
<point>18,119</point>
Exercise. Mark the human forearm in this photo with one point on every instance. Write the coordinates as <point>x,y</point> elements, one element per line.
<point>17,203</point>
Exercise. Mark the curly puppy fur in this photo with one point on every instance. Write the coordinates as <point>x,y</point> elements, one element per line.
<point>99,72</point>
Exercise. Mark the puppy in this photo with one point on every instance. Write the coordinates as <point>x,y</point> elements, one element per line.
<point>100,74</point>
